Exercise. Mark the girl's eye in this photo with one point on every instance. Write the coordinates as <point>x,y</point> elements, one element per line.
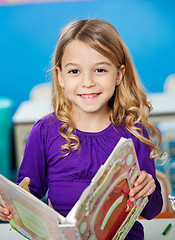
<point>74,71</point>
<point>100,70</point>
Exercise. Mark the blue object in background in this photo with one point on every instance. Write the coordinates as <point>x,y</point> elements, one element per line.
<point>5,136</point>
<point>30,32</point>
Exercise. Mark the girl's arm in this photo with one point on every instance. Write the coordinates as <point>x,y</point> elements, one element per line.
<point>147,183</point>
<point>34,161</point>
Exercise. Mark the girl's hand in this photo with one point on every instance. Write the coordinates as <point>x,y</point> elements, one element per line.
<point>5,214</point>
<point>143,186</point>
<point>25,184</point>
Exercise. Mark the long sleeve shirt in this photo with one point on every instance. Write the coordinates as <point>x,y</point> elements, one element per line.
<point>65,178</point>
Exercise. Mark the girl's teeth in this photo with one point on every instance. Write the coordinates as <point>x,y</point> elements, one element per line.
<point>89,95</point>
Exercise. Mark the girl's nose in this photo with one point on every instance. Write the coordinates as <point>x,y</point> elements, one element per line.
<point>88,81</point>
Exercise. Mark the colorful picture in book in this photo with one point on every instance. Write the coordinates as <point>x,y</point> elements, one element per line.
<point>108,208</point>
<point>113,212</point>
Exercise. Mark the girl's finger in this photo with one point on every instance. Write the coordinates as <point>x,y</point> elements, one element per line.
<point>5,214</point>
<point>137,189</point>
<point>146,191</point>
<point>143,193</point>
<point>3,210</point>
<point>151,190</point>
<point>5,217</point>
<point>143,175</point>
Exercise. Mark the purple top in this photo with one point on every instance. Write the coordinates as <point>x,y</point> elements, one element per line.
<point>65,178</point>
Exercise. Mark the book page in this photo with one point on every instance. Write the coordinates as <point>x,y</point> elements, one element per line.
<point>31,217</point>
<point>71,217</point>
<point>32,221</point>
<point>104,210</point>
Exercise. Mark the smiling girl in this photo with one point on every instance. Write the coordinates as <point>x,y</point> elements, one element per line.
<point>97,99</point>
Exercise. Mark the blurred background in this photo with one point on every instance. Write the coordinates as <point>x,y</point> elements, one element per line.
<point>29,31</point>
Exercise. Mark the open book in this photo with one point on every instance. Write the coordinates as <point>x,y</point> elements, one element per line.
<point>103,211</point>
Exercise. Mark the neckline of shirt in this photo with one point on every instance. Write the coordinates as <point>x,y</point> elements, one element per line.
<point>79,132</point>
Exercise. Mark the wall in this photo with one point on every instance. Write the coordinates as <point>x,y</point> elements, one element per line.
<point>28,35</point>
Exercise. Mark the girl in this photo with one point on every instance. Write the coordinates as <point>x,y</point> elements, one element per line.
<point>97,99</point>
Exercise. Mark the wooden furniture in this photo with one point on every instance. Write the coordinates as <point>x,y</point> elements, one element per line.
<point>25,117</point>
<point>166,190</point>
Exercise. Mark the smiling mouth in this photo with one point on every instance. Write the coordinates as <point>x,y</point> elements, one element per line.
<point>89,96</point>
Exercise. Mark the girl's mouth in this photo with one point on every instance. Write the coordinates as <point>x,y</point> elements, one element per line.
<point>89,95</point>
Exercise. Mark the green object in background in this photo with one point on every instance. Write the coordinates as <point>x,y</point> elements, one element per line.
<point>167,229</point>
<point>5,136</point>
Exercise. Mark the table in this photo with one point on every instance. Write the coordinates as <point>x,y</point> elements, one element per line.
<point>7,234</point>
<point>154,228</point>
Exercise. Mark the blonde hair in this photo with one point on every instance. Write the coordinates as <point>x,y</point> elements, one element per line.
<point>129,101</point>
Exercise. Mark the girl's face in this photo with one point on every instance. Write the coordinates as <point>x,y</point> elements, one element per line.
<point>88,78</point>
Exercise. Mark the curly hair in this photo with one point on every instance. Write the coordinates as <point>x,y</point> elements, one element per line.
<point>129,102</point>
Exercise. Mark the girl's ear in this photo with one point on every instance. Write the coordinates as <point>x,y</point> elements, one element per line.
<point>120,74</point>
<point>60,77</point>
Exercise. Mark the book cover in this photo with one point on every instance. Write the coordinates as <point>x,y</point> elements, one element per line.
<point>103,211</point>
